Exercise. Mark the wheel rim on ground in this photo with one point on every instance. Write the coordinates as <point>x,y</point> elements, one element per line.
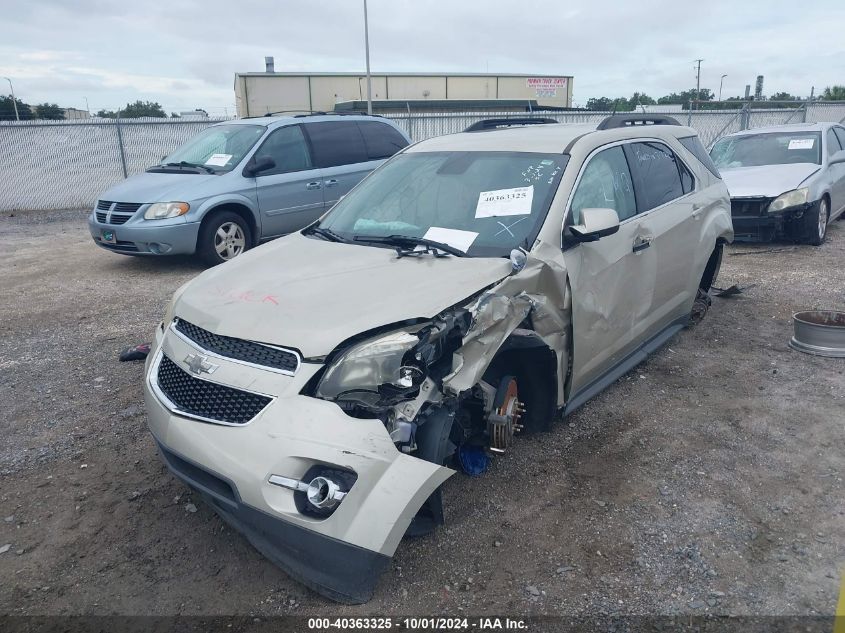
<point>822,218</point>
<point>229,240</point>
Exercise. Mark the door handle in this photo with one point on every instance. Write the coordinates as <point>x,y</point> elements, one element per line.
<point>641,243</point>
<point>313,185</point>
<point>331,183</point>
<point>697,207</point>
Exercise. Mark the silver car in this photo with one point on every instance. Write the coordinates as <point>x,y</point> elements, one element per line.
<point>242,182</point>
<point>786,182</point>
<point>318,390</point>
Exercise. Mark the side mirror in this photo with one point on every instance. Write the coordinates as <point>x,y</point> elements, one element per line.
<point>837,158</point>
<point>258,165</point>
<point>595,224</point>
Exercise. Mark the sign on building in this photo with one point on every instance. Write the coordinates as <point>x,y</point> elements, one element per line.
<point>546,86</point>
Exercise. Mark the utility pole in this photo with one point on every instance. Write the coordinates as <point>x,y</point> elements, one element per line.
<point>14,102</point>
<point>367,52</point>
<point>698,83</point>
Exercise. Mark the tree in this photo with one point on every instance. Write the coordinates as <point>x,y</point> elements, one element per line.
<point>175,115</point>
<point>49,111</point>
<point>834,93</point>
<point>704,94</point>
<point>7,109</point>
<point>600,104</point>
<point>783,96</point>
<point>640,98</point>
<point>135,111</point>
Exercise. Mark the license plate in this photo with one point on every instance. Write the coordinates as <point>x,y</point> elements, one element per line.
<point>109,236</point>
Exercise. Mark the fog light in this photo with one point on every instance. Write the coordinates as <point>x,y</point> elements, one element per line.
<point>324,493</point>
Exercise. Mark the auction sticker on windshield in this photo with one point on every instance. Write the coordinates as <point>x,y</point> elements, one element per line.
<point>801,143</point>
<point>218,160</point>
<point>515,201</point>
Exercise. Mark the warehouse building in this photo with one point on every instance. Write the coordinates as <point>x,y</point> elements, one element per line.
<point>258,93</point>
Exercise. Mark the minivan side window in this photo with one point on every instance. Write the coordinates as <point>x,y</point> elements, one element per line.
<point>336,143</point>
<point>832,143</point>
<point>656,174</point>
<point>380,139</point>
<point>288,148</point>
<point>605,183</point>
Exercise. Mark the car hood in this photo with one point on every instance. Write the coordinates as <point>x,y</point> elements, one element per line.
<point>156,187</point>
<point>767,181</point>
<point>312,295</point>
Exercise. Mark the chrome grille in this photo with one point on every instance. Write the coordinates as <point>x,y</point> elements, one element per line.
<point>749,207</point>
<point>120,213</point>
<point>101,217</point>
<point>238,349</point>
<point>104,205</point>
<point>207,400</point>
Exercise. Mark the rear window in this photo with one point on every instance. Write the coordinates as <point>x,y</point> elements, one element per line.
<point>380,139</point>
<point>694,146</point>
<point>336,143</point>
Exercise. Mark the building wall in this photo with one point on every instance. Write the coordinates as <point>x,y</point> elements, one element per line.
<point>260,93</point>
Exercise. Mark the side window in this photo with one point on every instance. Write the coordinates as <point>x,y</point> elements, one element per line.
<point>605,183</point>
<point>656,174</point>
<point>380,139</point>
<point>287,147</point>
<point>693,144</point>
<point>840,134</point>
<point>336,143</point>
<point>832,143</point>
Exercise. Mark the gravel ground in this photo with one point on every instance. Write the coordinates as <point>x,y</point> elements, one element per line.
<point>708,480</point>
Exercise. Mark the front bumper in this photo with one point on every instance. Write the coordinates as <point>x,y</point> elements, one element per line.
<point>340,556</point>
<point>137,237</point>
<point>752,222</point>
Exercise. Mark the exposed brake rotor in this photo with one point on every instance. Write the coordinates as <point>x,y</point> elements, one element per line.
<point>505,419</point>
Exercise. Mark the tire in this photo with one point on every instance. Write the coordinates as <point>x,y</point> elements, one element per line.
<point>815,222</point>
<point>711,270</point>
<point>223,236</point>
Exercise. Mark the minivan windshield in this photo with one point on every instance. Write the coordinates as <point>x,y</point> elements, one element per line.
<point>767,148</point>
<point>219,147</point>
<point>482,203</point>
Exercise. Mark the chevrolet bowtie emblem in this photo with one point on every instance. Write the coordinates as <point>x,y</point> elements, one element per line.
<point>198,364</point>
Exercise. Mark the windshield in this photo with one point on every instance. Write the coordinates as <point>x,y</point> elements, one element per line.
<point>219,147</point>
<point>482,203</point>
<point>770,148</point>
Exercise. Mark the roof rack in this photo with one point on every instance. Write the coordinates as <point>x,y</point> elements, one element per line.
<point>492,124</point>
<point>626,120</point>
<point>315,113</point>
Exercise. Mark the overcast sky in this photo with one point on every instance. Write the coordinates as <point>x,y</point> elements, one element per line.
<point>184,53</point>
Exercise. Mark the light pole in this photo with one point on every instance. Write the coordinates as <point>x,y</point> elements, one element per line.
<point>720,86</point>
<point>367,53</point>
<point>14,102</point>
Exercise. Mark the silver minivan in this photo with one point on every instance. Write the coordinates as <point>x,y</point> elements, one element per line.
<point>241,182</point>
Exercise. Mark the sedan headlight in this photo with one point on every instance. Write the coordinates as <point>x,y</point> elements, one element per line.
<point>369,365</point>
<point>793,198</point>
<point>164,210</point>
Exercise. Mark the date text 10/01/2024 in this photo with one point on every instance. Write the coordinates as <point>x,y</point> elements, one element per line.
<point>418,624</point>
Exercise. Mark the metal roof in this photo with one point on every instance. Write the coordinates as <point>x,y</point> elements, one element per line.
<point>392,74</point>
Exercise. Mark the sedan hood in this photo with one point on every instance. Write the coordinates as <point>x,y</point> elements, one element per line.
<point>312,295</point>
<point>156,187</point>
<point>767,181</point>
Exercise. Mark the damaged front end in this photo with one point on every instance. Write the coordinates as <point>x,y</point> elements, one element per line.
<point>456,389</point>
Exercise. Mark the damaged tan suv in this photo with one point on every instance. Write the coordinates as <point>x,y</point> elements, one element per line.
<point>318,390</point>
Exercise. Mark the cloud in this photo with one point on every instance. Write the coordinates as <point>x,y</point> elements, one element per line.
<point>184,55</point>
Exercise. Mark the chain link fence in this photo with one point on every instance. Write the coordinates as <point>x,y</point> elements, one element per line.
<point>68,164</point>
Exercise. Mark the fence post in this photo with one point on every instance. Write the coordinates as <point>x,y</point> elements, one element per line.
<point>120,147</point>
<point>745,117</point>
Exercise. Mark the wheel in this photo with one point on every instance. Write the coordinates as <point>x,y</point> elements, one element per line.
<point>815,223</point>
<point>223,236</point>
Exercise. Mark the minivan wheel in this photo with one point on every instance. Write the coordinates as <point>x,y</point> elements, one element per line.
<point>815,223</point>
<point>223,236</point>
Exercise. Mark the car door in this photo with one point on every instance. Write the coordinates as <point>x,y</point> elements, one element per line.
<point>612,279</point>
<point>671,211</point>
<point>340,152</point>
<point>837,174</point>
<point>290,195</point>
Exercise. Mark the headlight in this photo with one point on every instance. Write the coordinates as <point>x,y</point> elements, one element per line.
<point>164,210</point>
<point>789,199</point>
<point>371,364</point>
